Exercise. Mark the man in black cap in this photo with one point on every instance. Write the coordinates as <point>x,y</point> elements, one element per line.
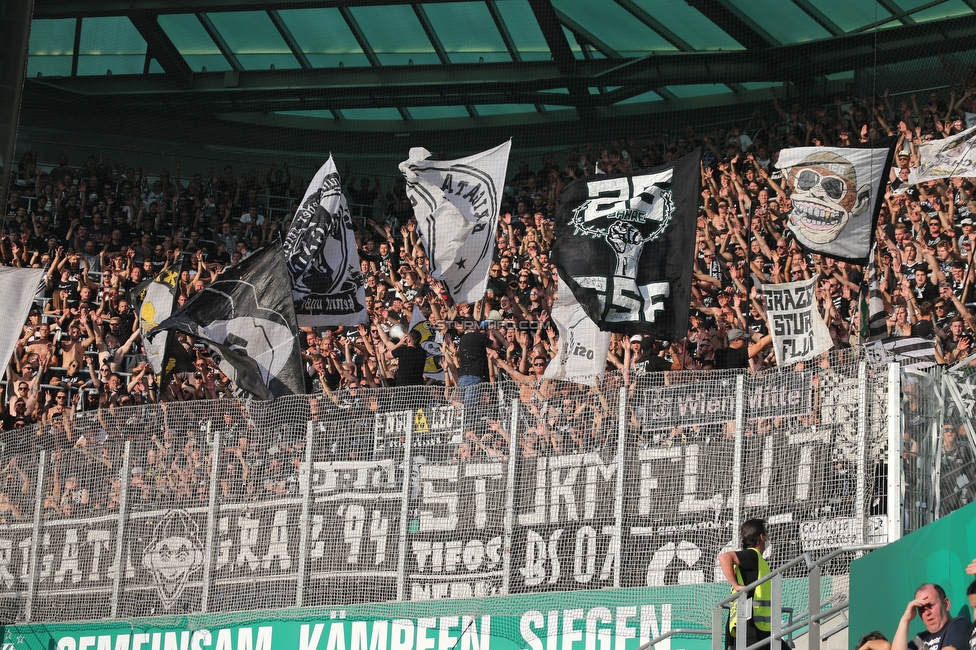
<point>740,350</point>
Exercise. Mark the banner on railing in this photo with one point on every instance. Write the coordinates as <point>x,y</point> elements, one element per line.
<point>413,497</point>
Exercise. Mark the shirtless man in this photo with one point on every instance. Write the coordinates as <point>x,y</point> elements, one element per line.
<point>73,348</point>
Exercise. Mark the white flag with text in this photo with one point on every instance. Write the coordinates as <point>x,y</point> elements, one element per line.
<point>456,203</point>
<point>582,346</point>
<point>799,333</point>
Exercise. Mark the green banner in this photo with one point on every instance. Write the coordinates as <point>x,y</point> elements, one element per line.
<point>613,619</point>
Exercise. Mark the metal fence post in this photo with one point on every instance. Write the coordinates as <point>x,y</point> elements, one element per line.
<point>860,512</point>
<point>35,551</point>
<point>405,510</point>
<point>211,524</point>
<point>509,521</point>
<point>736,500</point>
<point>813,606</point>
<point>305,486</point>
<point>895,442</point>
<point>617,543</point>
<point>120,529</point>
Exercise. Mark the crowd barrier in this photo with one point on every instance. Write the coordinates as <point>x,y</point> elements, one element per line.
<point>424,493</point>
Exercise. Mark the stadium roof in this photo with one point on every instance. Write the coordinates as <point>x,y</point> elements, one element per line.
<point>465,66</point>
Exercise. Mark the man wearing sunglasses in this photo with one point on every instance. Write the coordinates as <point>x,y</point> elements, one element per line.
<point>941,630</point>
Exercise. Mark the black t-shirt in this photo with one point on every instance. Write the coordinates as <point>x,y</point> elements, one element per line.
<point>410,368</point>
<point>748,562</point>
<point>955,633</point>
<point>473,360</point>
<point>730,358</point>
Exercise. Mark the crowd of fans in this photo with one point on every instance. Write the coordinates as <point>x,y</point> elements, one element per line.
<point>102,229</point>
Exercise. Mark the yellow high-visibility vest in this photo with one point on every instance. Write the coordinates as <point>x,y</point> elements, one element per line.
<point>761,605</point>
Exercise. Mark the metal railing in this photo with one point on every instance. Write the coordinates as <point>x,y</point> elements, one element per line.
<point>811,619</point>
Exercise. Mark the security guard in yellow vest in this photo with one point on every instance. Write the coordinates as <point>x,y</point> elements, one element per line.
<point>745,567</point>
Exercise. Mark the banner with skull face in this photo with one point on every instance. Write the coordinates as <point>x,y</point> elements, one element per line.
<point>320,252</point>
<point>625,247</point>
<point>835,195</point>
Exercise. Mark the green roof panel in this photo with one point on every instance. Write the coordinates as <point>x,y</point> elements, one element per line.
<point>467,32</point>
<point>852,15</point>
<point>649,96</point>
<point>110,43</point>
<point>486,110</point>
<point>942,10</point>
<point>253,39</point>
<point>51,48</point>
<point>318,114</point>
<point>689,24</point>
<point>395,34</point>
<point>193,42</point>
<point>324,37</point>
<point>784,21</point>
<point>615,26</point>
<point>372,114</point>
<point>523,29</point>
<point>437,112</point>
<point>698,90</point>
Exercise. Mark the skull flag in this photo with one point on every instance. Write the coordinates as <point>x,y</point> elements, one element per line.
<point>835,192</point>
<point>625,246</point>
<point>320,251</point>
<point>247,316</point>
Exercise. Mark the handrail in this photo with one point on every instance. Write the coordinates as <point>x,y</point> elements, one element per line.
<point>812,617</point>
<point>769,576</point>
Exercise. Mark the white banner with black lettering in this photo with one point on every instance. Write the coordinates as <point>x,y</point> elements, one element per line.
<point>799,332</point>
<point>582,346</point>
<point>950,157</point>
<point>456,203</point>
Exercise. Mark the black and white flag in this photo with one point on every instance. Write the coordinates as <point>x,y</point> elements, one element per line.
<point>583,346</point>
<point>910,351</point>
<point>799,332</point>
<point>156,302</point>
<point>320,250</point>
<point>248,317</point>
<point>430,341</point>
<point>17,290</point>
<point>835,193</point>
<point>456,203</point>
<point>950,157</point>
<point>625,246</point>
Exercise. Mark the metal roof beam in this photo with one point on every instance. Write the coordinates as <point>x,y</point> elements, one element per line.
<point>502,28</point>
<point>587,35</point>
<point>733,23</point>
<point>656,25</point>
<point>378,86</point>
<point>895,10</point>
<point>357,33</point>
<point>432,36</point>
<point>289,38</point>
<point>159,47</point>
<point>220,42</point>
<point>820,17</point>
<point>86,8</point>
<point>562,54</point>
